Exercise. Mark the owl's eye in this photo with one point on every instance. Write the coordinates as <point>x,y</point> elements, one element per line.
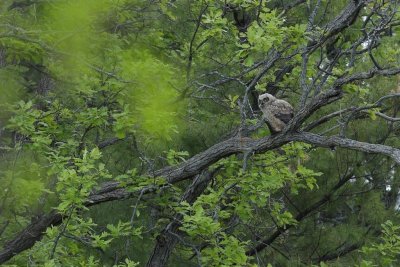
<point>266,99</point>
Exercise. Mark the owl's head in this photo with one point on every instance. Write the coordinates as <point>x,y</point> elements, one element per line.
<point>264,99</point>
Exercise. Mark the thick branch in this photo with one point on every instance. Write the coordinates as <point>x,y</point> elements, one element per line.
<point>346,17</point>
<point>167,239</point>
<point>235,145</point>
<point>27,238</point>
<point>193,166</point>
<point>332,141</point>
<point>112,191</point>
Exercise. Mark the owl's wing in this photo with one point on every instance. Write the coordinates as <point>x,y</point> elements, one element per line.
<point>282,110</point>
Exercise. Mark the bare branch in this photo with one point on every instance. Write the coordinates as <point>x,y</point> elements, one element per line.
<point>332,141</point>
<point>365,75</point>
<point>300,216</point>
<point>327,118</point>
<point>385,117</point>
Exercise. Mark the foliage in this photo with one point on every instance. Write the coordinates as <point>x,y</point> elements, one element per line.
<point>386,252</point>
<point>101,94</point>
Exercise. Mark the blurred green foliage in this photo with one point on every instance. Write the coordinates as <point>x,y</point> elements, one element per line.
<point>100,90</point>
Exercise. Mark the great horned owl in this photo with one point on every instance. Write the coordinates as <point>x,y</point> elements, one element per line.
<point>276,112</point>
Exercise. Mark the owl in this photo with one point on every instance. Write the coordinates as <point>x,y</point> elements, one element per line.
<point>276,112</point>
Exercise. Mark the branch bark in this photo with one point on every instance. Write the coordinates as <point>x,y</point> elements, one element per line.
<point>167,239</point>
<point>332,141</point>
<point>112,191</point>
<point>235,145</point>
<point>28,237</point>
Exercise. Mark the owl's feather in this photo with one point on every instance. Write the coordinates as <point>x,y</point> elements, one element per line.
<point>276,112</point>
<point>282,110</point>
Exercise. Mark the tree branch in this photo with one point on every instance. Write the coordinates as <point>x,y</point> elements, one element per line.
<point>332,141</point>
<point>167,239</point>
<point>173,174</point>
<point>300,216</point>
<point>28,237</point>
